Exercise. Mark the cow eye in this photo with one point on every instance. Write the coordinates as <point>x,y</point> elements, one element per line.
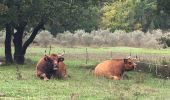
<point>60,59</point>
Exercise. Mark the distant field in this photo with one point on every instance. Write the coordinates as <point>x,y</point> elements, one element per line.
<point>82,85</point>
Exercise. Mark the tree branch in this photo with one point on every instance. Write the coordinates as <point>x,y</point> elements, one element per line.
<point>32,37</point>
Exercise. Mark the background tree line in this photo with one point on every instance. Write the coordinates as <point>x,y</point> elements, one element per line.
<point>20,17</point>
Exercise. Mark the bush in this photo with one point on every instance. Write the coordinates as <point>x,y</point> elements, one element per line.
<point>107,38</point>
<point>97,40</point>
<point>87,39</point>
<point>164,40</point>
<point>44,38</point>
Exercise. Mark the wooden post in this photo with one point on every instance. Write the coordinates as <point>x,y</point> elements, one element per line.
<point>86,56</point>
<point>156,71</point>
<point>18,73</point>
<point>150,67</point>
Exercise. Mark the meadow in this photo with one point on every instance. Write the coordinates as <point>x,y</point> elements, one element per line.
<point>82,85</point>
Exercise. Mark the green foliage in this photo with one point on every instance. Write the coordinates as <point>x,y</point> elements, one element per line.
<point>3,11</point>
<point>58,15</point>
<point>75,14</point>
<point>132,15</point>
<point>30,12</point>
<point>115,15</point>
<point>163,5</point>
<point>70,15</point>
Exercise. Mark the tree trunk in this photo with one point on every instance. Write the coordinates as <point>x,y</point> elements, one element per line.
<point>8,54</point>
<point>18,57</point>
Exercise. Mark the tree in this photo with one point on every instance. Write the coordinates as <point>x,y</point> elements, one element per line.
<point>8,54</point>
<point>76,14</point>
<point>22,16</point>
<point>163,13</point>
<point>7,26</point>
<point>132,15</point>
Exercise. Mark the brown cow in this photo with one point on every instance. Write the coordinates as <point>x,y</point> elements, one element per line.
<point>114,69</point>
<point>51,65</point>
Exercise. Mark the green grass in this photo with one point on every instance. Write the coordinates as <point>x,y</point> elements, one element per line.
<point>82,85</point>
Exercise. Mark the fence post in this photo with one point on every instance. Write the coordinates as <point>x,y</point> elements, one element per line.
<point>156,71</point>
<point>18,73</point>
<point>150,67</point>
<point>87,56</point>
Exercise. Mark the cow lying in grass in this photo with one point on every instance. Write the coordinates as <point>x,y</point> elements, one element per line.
<point>114,69</point>
<point>52,65</point>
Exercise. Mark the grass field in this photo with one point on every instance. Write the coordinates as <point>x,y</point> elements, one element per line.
<point>82,85</point>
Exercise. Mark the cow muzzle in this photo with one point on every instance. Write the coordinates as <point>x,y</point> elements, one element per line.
<point>55,66</point>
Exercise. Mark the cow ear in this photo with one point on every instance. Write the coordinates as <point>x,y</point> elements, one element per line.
<point>60,59</point>
<point>125,61</point>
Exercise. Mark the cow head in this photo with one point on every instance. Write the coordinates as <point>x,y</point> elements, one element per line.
<point>129,64</point>
<point>52,61</point>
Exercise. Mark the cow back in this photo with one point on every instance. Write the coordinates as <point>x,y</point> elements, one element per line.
<point>109,67</point>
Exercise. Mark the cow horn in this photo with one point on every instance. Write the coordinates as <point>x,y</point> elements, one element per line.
<point>63,53</point>
<point>129,57</point>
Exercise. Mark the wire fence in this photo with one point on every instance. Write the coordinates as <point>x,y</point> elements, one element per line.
<point>159,64</point>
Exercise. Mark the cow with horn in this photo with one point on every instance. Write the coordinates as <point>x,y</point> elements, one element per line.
<point>114,68</point>
<point>51,65</point>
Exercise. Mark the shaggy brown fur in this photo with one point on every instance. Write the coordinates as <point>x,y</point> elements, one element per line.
<point>49,66</point>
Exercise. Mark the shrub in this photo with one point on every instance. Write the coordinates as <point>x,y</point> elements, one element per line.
<point>97,40</point>
<point>164,40</point>
<point>78,36</point>
<point>107,38</point>
<point>44,38</point>
<point>66,39</point>
<point>87,39</point>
